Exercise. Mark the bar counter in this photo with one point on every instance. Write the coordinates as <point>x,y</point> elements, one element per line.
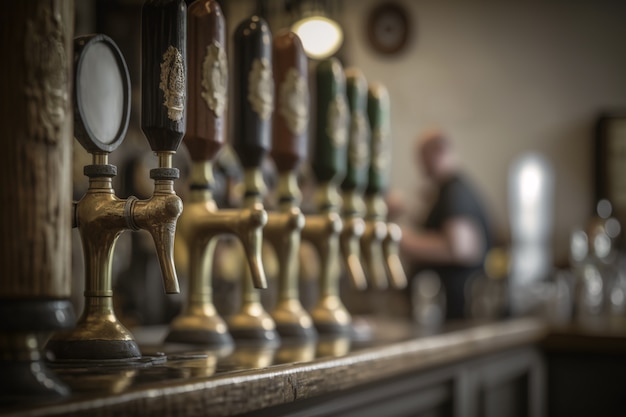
<point>184,382</point>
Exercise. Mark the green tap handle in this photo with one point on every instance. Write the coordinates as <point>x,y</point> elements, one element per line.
<point>378,113</point>
<point>289,145</point>
<point>208,80</point>
<point>163,73</point>
<point>254,91</point>
<point>330,148</point>
<point>359,135</point>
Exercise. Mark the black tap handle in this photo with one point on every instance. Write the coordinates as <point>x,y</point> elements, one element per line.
<point>163,73</point>
<point>254,91</point>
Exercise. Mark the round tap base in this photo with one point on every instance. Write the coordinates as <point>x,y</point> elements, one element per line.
<point>199,329</point>
<point>204,337</point>
<point>293,321</point>
<point>93,350</point>
<point>253,323</point>
<point>331,317</point>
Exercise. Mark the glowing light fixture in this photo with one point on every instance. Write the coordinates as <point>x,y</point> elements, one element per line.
<point>314,22</point>
<point>321,37</point>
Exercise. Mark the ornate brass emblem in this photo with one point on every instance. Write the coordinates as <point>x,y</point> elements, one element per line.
<point>380,154</point>
<point>357,148</point>
<point>261,88</point>
<point>173,83</point>
<point>294,101</point>
<point>215,78</point>
<point>337,120</point>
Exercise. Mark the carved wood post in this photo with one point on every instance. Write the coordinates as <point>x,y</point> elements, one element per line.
<point>36,39</point>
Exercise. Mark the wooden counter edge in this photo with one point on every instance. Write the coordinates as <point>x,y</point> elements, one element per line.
<point>246,391</point>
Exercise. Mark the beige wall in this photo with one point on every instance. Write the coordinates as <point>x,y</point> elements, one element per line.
<point>503,78</point>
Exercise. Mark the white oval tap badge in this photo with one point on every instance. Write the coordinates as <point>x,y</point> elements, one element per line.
<point>337,120</point>
<point>173,83</point>
<point>293,102</point>
<point>261,88</point>
<point>357,149</point>
<point>215,78</point>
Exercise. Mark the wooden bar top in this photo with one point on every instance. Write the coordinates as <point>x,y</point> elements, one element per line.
<point>247,379</point>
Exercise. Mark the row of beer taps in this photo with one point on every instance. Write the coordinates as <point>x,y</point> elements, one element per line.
<point>185,79</point>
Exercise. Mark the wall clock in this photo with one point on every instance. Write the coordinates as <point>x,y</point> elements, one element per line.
<point>388,28</point>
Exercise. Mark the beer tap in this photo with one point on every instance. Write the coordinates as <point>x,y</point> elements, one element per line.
<point>323,229</point>
<point>102,108</point>
<point>353,185</point>
<point>254,104</point>
<point>289,147</point>
<point>201,223</point>
<point>376,217</point>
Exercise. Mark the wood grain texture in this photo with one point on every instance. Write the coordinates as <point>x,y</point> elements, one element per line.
<point>36,137</point>
<point>234,393</point>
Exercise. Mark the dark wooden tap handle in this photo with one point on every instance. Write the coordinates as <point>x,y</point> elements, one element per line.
<point>254,91</point>
<point>163,73</point>
<point>207,80</point>
<point>331,133</point>
<point>359,134</point>
<point>291,117</point>
<point>378,113</point>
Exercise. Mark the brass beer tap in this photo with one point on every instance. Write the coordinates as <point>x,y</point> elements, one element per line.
<point>353,186</point>
<point>101,216</point>
<point>254,104</point>
<point>202,222</point>
<point>289,147</point>
<point>378,110</point>
<point>324,228</point>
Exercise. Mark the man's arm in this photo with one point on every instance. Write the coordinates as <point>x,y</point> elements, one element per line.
<point>459,243</point>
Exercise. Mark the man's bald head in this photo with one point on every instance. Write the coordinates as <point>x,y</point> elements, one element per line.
<point>435,152</point>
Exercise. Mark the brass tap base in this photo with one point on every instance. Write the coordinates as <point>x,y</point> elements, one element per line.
<point>293,321</point>
<point>331,317</point>
<point>210,331</point>
<point>93,350</point>
<point>252,323</point>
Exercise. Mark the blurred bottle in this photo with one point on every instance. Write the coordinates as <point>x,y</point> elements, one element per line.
<point>488,289</point>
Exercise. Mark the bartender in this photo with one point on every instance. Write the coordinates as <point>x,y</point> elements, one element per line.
<point>456,236</point>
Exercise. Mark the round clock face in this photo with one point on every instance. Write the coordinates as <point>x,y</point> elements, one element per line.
<point>388,28</point>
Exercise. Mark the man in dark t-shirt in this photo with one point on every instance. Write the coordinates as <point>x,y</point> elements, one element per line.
<point>456,235</point>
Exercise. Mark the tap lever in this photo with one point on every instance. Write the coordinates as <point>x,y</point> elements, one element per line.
<point>332,123</point>
<point>355,180</point>
<point>254,91</point>
<point>208,80</point>
<point>163,73</point>
<point>289,144</point>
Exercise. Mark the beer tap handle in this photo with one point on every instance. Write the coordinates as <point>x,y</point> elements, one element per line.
<point>378,114</point>
<point>359,134</point>
<point>254,92</point>
<point>163,73</point>
<point>289,139</point>
<point>331,134</point>
<point>207,81</point>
